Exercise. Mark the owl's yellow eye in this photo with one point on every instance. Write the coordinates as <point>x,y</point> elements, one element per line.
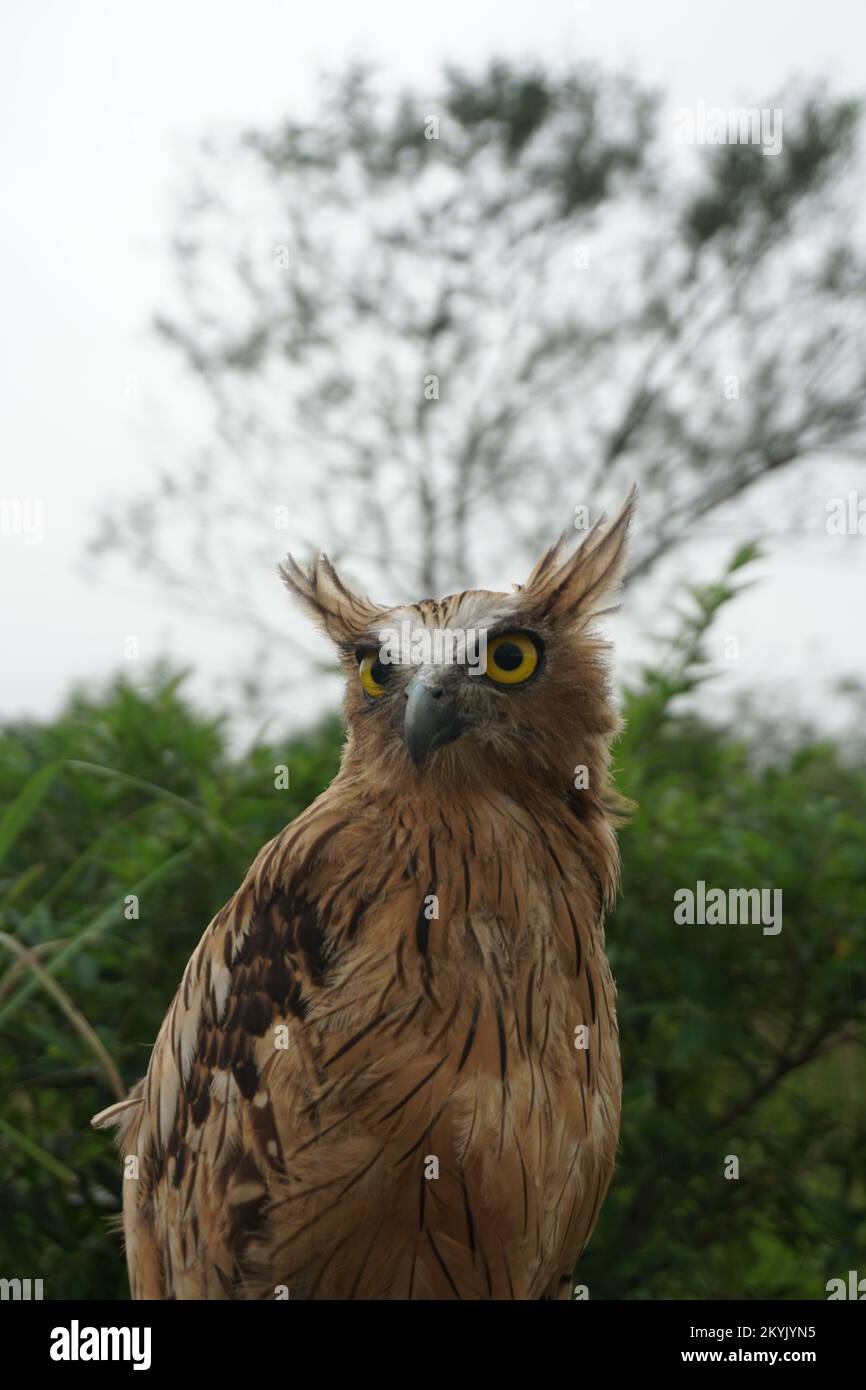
<point>373,675</point>
<point>511,658</point>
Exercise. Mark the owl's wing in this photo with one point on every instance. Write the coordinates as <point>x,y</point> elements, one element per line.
<point>198,1135</point>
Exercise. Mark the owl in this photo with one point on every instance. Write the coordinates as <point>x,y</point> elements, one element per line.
<point>391,1068</point>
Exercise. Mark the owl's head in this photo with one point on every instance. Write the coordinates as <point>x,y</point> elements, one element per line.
<point>479,687</point>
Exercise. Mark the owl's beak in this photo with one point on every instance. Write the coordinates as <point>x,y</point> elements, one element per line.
<point>431,719</point>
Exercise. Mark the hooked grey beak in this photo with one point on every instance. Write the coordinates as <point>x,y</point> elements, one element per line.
<point>431,720</point>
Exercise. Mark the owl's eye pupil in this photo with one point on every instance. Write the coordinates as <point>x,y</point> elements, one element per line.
<point>378,672</point>
<point>508,657</point>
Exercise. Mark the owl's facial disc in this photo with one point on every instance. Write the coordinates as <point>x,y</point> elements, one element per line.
<point>431,717</point>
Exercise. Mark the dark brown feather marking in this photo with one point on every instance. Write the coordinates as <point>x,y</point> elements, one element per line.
<point>591,993</point>
<point>414,1091</point>
<point>443,1266</point>
<point>470,1036</point>
<point>503,1045</point>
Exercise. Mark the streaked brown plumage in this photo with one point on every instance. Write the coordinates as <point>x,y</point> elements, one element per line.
<point>332,1036</point>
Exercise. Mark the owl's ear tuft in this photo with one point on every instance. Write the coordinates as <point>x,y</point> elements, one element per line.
<point>575,586</point>
<point>342,614</point>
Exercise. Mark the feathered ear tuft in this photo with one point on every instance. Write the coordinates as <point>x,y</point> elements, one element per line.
<point>575,586</point>
<point>342,614</point>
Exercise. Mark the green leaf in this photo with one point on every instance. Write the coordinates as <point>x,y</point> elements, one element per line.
<point>22,809</point>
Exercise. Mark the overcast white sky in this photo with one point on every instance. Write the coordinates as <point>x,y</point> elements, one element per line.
<point>100,101</point>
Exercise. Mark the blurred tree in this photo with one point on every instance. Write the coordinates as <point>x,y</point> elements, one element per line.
<point>430,328</point>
